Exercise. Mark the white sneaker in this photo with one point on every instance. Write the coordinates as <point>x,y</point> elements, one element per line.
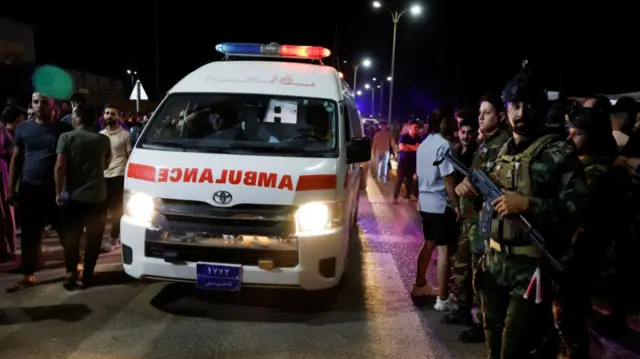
<point>446,305</point>
<point>111,245</point>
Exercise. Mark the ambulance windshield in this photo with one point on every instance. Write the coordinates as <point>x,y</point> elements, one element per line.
<point>256,123</point>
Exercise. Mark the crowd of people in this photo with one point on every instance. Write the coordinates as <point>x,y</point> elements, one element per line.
<point>569,169</point>
<point>62,166</point>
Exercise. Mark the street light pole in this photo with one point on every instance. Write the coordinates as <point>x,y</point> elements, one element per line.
<point>356,66</point>
<point>381,97</point>
<point>373,102</point>
<point>395,17</point>
<point>355,75</point>
<point>136,88</point>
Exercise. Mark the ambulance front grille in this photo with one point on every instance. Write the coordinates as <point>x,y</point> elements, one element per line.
<point>255,219</point>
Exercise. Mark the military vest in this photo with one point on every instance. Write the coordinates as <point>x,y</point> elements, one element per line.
<point>512,173</point>
<point>483,159</point>
<point>489,150</point>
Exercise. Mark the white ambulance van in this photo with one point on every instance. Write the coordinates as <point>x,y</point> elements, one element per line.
<point>247,174</point>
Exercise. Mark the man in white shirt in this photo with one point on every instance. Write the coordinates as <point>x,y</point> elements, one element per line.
<point>623,115</point>
<point>114,175</point>
<point>436,186</point>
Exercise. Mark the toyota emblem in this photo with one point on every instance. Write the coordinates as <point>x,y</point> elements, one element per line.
<point>222,197</point>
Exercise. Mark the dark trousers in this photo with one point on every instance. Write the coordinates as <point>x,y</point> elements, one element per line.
<point>405,174</point>
<point>77,217</point>
<point>115,190</point>
<point>38,205</point>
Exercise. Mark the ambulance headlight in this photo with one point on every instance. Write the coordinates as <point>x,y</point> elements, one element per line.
<point>317,217</point>
<point>139,206</point>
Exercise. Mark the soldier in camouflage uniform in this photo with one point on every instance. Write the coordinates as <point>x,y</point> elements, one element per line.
<point>543,179</point>
<point>590,131</point>
<point>493,126</point>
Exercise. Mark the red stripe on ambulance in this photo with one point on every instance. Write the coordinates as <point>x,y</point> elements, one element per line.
<point>141,172</point>
<point>232,177</point>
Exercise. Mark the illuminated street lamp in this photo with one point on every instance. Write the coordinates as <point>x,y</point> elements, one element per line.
<point>132,74</point>
<point>356,66</point>
<point>359,93</point>
<point>373,98</point>
<point>415,10</point>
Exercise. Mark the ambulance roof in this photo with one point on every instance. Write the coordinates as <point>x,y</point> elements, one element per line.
<point>264,77</point>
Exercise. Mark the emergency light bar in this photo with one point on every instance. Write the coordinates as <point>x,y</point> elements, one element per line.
<point>308,52</point>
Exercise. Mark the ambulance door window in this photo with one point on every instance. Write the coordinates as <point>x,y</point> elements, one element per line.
<point>354,121</point>
<point>346,122</point>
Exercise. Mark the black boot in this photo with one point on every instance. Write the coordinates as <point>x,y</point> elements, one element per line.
<point>475,334</point>
<point>70,282</point>
<point>461,316</point>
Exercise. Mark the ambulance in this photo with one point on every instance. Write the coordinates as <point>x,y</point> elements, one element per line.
<point>247,174</point>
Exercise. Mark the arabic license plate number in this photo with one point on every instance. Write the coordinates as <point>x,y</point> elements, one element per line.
<point>218,276</point>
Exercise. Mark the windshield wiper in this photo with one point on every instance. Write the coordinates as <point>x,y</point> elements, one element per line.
<point>187,146</point>
<point>270,149</point>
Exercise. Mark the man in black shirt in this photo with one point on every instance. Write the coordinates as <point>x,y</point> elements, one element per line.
<point>467,132</point>
<point>31,171</point>
<point>409,143</point>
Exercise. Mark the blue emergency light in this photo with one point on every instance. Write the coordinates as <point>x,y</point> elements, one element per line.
<point>307,52</point>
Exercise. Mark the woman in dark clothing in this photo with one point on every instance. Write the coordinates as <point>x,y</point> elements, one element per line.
<point>10,118</point>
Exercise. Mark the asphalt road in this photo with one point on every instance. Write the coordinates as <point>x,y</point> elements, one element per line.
<point>372,317</point>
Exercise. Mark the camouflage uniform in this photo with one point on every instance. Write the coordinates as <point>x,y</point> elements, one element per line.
<point>550,174</point>
<point>471,245</point>
<point>572,302</point>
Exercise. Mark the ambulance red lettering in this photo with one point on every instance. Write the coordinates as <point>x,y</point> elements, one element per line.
<point>206,176</point>
<point>286,183</point>
<point>163,175</point>
<point>235,177</point>
<point>223,177</point>
<point>176,175</point>
<point>232,177</point>
<point>250,178</point>
<point>190,174</point>
<point>267,179</point>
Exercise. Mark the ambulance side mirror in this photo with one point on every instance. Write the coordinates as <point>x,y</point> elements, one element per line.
<point>359,150</point>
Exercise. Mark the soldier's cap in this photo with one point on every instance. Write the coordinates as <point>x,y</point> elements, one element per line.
<point>589,119</point>
<point>522,88</point>
<point>625,105</point>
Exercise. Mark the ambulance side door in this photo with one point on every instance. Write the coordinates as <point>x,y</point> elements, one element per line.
<point>354,171</point>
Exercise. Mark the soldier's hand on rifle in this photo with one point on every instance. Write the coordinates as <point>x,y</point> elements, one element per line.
<point>511,203</point>
<point>466,189</point>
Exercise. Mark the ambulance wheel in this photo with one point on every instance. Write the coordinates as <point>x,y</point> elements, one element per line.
<point>342,284</point>
<point>353,230</point>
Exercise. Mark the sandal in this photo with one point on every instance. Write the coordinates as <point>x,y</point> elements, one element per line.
<point>25,283</point>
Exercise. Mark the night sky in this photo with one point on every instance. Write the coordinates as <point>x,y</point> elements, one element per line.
<point>456,51</point>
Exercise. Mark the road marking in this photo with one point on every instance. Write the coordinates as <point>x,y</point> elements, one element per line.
<point>130,333</point>
<point>398,330</point>
<point>14,315</point>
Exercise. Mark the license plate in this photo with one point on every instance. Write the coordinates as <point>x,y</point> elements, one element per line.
<point>218,276</point>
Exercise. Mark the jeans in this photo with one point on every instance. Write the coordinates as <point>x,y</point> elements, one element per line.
<point>115,190</point>
<point>79,216</point>
<point>38,205</point>
<point>382,161</point>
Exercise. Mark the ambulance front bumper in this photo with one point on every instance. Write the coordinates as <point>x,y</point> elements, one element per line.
<point>318,263</point>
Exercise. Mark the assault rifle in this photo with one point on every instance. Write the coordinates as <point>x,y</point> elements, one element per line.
<point>490,191</point>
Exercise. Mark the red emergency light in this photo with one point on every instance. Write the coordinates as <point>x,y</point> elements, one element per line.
<point>310,52</point>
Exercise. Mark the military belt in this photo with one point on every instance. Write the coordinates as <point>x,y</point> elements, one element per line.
<point>524,250</point>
